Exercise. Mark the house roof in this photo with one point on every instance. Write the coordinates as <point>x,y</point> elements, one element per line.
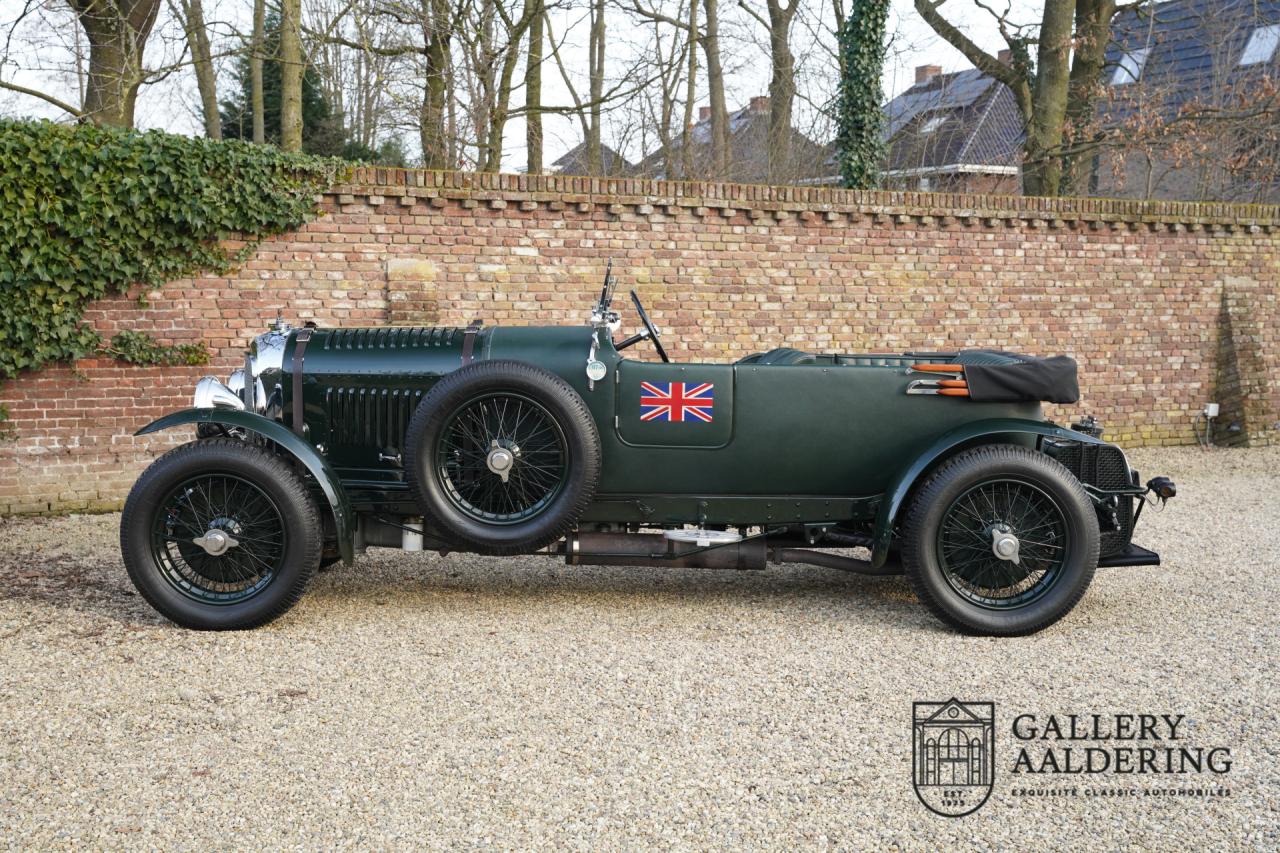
<point>574,161</point>
<point>748,150</point>
<point>958,120</point>
<point>1187,51</point>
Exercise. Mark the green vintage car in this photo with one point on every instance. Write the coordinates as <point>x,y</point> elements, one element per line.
<point>544,439</point>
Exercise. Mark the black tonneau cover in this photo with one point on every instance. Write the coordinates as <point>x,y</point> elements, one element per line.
<point>1022,378</point>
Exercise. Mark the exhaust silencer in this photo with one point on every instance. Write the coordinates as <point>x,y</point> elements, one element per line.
<point>653,549</point>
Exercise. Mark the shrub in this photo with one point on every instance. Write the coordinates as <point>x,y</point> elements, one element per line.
<point>89,211</point>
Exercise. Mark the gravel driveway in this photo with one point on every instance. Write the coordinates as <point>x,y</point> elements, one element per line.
<point>466,702</point>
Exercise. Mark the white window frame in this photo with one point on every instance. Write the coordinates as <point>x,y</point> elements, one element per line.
<point>1130,68</point>
<point>1261,46</point>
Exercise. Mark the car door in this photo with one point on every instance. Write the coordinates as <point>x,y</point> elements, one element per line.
<point>674,405</point>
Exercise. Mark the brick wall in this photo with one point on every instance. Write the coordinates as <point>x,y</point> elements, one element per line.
<point>1160,302</point>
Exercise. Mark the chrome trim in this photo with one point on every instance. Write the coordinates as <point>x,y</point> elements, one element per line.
<point>211,393</point>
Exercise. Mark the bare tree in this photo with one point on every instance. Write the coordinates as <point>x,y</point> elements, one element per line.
<point>1204,130</point>
<point>424,31</point>
<point>1042,90</point>
<point>670,52</point>
<point>533,91</point>
<point>782,81</point>
<point>117,32</point>
<point>708,39</point>
<point>257,44</point>
<point>292,66</point>
<point>190,13</point>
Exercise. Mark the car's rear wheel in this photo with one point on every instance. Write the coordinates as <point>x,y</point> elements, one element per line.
<point>503,456</point>
<point>220,535</point>
<point>1000,540</point>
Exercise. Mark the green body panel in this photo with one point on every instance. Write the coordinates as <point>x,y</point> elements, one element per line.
<point>812,443</point>
<point>1003,430</point>
<point>329,482</point>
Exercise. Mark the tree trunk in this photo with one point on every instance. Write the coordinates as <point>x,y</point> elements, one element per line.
<point>435,137</point>
<point>595,151</point>
<point>691,91</point>
<point>291,68</point>
<point>533,92</point>
<point>782,90</point>
<point>715,87</point>
<point>117,32</point>
<point>1093,34</point>
<point>256,47</point>
<point>191,13</point>
<point>1042,170</point>
<point>502,97</point>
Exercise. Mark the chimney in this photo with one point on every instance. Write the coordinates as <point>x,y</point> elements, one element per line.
<point>704,113</point>
<point>1005,56</point>
<point>925,73</point>
<point>760,104</point>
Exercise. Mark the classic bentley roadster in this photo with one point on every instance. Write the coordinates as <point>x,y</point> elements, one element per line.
<point>548,440</point>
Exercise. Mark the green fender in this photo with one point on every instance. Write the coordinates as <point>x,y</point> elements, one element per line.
<point>343,517</point>
<point>962,437</point>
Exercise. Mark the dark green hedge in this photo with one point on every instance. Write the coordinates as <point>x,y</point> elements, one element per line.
<point>88,211</point>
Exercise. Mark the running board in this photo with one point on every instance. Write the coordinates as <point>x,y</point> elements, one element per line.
<point>1134,555</point>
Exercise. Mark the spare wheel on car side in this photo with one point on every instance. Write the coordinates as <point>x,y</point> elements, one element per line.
<point>503,456</point>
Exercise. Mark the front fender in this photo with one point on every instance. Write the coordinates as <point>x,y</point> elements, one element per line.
<point>967,435</point>
<point>343,517</point>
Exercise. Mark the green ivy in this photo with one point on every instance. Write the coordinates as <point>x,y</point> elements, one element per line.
<point>859,118</point>
<point>89,211</point>
<point>140,348</point>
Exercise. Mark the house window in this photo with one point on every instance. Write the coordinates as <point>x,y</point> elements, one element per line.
<point>1130,68</point>
<point>1261,46</point>
<point>933,124</point>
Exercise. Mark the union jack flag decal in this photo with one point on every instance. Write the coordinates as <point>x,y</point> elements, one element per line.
<point>676,401</point>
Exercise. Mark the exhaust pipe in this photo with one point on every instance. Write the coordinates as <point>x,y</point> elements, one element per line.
<point>653,549</point>
<point>831,561</point>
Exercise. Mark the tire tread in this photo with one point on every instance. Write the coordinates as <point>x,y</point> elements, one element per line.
<point>913,535</point>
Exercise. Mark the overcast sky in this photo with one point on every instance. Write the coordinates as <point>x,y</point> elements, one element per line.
<point>39,49</point>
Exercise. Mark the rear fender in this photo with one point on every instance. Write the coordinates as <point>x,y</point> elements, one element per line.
<point>304,453</point>
<point>996,430</point>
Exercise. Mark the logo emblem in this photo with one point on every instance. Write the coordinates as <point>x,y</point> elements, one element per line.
<point>953,750</point>
<point>676,401</point>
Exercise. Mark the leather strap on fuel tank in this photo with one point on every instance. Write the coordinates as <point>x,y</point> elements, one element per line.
<point>469,341</point>
<point>299,351</point>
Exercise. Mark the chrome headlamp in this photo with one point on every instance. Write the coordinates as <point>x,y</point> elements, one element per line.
<point>211,393</point>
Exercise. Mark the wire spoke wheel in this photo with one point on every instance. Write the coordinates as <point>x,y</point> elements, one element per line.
<point>1003,543</point>
<point>502,458</point>
<point>218,539</point>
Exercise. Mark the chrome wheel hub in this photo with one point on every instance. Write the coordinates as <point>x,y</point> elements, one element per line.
<point>500,459</point>
<point>1004,544</point>
<point>216,542</point>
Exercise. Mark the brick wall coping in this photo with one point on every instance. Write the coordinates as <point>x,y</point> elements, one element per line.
<point>379,185</point>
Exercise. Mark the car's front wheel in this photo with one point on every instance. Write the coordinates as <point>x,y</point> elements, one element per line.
<point>1000,540</point>
<point>221,534</point>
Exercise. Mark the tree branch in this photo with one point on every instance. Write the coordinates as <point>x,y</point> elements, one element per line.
<point>981,60</point>
<point>62,105</point>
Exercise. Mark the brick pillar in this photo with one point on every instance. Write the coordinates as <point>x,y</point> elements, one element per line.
<point>1247,382</point>
<point>411,292</point>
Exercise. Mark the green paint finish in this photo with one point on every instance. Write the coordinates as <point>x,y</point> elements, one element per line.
<point>678,379</point>
<point>1002,430</point>
<point>343,516</point>
<point>834,440</point>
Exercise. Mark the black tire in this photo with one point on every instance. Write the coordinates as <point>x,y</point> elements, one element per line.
<point>456,426</point>
<point>959,505</point>
<point>243,490</point>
